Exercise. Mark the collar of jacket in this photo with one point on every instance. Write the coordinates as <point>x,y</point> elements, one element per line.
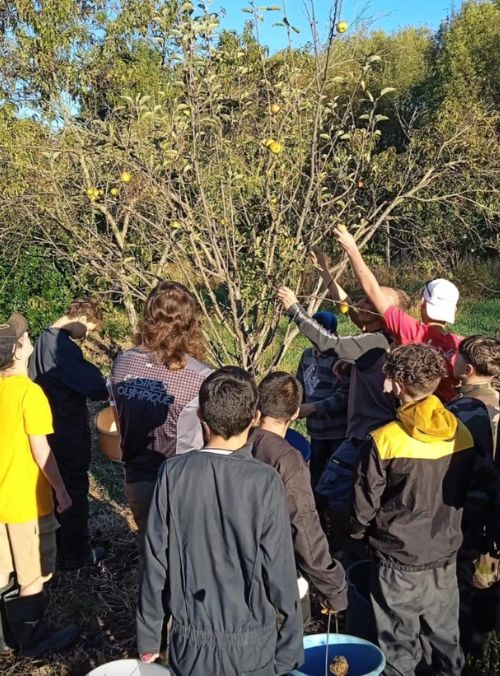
<point>470,390</point>
<point>245,450</point>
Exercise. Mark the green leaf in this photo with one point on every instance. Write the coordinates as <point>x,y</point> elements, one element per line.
<point>387,90</point>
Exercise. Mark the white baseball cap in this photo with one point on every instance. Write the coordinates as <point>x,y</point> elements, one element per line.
<point>441,298</point>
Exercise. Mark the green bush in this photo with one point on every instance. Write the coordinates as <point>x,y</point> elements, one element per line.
<point>116,326</point>
<point>37,286</point>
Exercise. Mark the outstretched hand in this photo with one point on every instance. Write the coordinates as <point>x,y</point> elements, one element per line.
<point>346,240</point>
<point>319,258</point>
<point>287,297</point>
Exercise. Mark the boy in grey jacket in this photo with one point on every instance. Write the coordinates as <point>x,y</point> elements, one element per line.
<point>325,399</point>
<point>218,553</point>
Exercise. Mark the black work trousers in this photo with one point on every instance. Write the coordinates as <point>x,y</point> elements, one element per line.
<point>416,618</point>
<point>73,460</point>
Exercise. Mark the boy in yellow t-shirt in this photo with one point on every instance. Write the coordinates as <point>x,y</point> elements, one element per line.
<point>28,474</point>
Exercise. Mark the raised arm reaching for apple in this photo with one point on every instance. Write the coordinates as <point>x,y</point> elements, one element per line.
<point>365,276</point>
<point>335,291</point>
<point>287,297</point>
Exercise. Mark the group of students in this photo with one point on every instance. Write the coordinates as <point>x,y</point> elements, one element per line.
<point>403,420</point>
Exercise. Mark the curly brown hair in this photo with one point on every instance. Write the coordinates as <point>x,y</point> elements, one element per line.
<point>170,326</point>
<point>419,368</point>
<point>85,307</point>
<point>482,353</point>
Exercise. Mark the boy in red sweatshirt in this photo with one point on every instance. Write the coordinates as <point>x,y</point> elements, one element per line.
<point>437,307</point>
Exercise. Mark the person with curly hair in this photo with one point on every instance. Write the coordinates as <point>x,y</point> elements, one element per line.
<point>412,482</point>
<point>154,387</point>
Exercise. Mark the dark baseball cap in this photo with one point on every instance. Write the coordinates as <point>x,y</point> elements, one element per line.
<point>15,327</point>
<point>10,332</point>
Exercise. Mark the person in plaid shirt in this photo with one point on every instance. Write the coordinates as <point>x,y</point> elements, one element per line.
<point>154,387</point>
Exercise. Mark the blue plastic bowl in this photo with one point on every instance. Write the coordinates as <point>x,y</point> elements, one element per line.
<point>364,658</point>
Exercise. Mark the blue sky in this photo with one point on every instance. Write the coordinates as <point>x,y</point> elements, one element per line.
<point>379,14</point>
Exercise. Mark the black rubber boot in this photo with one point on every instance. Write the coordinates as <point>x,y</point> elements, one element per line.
<point>92,559</point>
<point>35,639</point>
<point>7,643</point>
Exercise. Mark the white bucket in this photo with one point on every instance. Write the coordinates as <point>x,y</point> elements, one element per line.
<point>129,668</point>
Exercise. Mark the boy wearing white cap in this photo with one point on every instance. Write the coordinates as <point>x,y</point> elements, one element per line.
<point>438,307</point>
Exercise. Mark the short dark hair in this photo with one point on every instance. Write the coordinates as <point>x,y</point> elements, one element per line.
<point>8,348</point>
<point>85,307</point>
<point>280,395</point>
<point>228,401</point>
<point>482,353</point>
<point>418,367</point>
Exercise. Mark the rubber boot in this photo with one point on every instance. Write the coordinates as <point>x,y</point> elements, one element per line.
<point>7,643</point>
<point>33,637</point>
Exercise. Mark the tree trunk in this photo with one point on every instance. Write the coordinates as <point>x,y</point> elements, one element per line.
<point>129,305</point>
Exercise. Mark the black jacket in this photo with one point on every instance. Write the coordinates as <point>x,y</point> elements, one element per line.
<point>369,406</point>
<point>310,545</point>
<point>477,407</point>
<point>412,483</point>
<point>59,367</point>
<point>219,560</point>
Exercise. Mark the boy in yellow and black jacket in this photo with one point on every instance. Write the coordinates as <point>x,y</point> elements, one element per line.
<point>409,494</point>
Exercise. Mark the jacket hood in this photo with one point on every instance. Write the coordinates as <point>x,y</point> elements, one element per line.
<point>428,420</point>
